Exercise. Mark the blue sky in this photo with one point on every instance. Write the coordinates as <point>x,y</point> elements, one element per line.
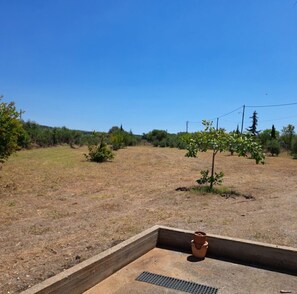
<point>149,64</point>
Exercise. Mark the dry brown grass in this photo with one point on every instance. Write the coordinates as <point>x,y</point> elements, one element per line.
<point>57,209</point>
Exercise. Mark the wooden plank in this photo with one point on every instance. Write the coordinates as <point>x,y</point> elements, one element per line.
<point>92,271</point>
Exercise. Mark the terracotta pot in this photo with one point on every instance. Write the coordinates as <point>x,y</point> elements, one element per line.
<point>201,252</point>
<point>199,238</point>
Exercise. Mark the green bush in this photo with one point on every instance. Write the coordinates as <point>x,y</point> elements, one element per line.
<point>11,130</point>
<point>100,152</point>
<point>44,136</point>
<point>294,147</point>
<point>119,138</point>
<point>216,179</point>
<point>160,138</point>
<point>273,146</point>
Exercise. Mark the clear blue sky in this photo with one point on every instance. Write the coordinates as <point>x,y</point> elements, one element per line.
<point>149,64</point>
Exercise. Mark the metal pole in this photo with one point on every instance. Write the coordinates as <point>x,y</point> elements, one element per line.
<point>187,126</point>
<point>217,123</point>
<point>242,120</point>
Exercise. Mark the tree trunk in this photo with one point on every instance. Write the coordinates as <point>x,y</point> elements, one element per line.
<point>212,169</point>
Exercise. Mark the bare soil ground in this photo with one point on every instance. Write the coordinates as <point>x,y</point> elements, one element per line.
<point>57,209</point>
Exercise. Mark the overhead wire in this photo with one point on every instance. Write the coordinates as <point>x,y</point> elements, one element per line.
<point>271,105</point>
<point>253,106</point>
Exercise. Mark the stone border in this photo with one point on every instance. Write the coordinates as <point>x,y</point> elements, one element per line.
<point>88,273</point>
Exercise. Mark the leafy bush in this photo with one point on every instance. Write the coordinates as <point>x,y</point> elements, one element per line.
<point>156,137</point>
<point>216,179</point>
<point>44,136</point>
<point>160,138</point>
<point>266,135</point>
<point>273,146</point>
<point>119,138</point>
<point>11,130</point>
<point>294,147</point>
<point>287,135</point>
<point>100,152</point>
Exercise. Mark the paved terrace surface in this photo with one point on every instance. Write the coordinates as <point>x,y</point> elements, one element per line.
<point>226,276</point>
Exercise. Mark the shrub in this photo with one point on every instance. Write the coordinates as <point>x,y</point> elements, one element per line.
<point>294,147</point>
<point>119,138</point>
<point>273,146</point>
<point>216,179</point>
<point>11,130</point>
<point>156,137</point>
<point>100,152</point>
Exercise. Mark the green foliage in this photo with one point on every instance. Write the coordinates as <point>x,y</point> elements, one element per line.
<point>119,138</point>
<point>287,135</point>
<point>253,128</point>
<point>294,147</point>
<point>215,179</point>
<point>219,141</point>
<point>267,135</point>
<point>273,132</point>
<point>100,152</point>
<point>160,138</point>
<point>11,130</point>
<point>157,138</point>
<point>43,136</point>
<point>24,139</point>
<point>273,146</point>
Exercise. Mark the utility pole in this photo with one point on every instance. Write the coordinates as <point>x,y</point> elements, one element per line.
<point>242,119</point>
<point>21,112</point>
<point>217,123</point>
<point>187,126</point>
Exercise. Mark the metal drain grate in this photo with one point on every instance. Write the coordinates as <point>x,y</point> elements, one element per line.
<point>176,284</point>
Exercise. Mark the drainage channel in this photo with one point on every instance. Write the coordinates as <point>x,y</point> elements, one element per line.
<point>176,284</point>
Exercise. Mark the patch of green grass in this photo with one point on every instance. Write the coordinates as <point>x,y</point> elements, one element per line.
<point>60,156</point>
<point>38,229</point>
<point>11,203</point>
<point>223,191</point>
<point>55,214</point>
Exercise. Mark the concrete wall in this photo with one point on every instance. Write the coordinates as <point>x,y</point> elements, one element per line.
<point>278,258</point>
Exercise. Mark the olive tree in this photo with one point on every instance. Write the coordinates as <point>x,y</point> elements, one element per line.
<point>11,129</point>
<point>218,140</point>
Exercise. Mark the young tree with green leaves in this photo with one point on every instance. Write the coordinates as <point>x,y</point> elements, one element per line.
<point>219,141</point>
<point>11,129</point>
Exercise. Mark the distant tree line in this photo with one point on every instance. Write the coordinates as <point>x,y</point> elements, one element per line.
<point>271,140</point>
<point>16,134</point>
<point>37,135</point>
<point>161,138</point>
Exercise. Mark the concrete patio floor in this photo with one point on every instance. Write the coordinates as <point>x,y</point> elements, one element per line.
<point>228,277</point>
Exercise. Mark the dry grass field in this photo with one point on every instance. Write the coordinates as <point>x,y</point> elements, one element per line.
<point>57,209</point>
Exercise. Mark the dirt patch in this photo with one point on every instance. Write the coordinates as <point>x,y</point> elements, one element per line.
<point>57,210</point>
